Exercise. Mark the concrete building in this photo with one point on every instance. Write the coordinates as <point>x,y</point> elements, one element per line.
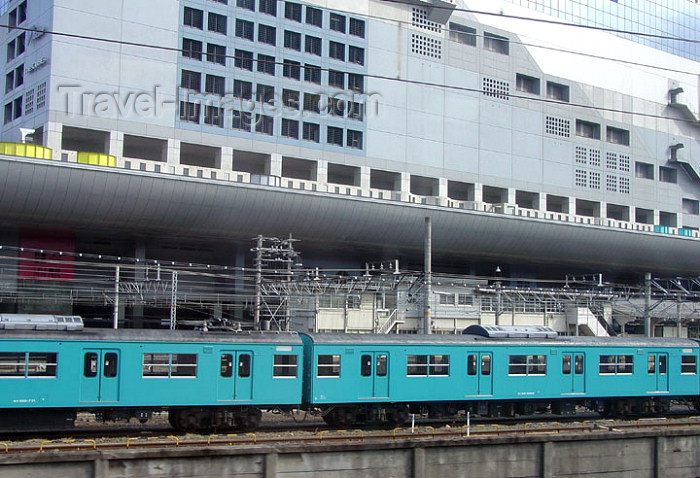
<point>182,129</point>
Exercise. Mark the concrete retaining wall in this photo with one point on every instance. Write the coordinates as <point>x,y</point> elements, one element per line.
<point>667,453</point>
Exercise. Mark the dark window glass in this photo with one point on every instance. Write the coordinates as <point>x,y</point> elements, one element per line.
<point>357,27</point>
<point>292,40</point>
<point>192,49</point>
<point>312,73</point>
<point>312,102</point>
<point>89,364</point>
<point>215,84</point>
<point>243,89</point>
<point>336,79</point>
<point>244,29</point>
<point>268,6</point>
<point>366,365</point>
<point>216,53</point>
<point>244,365</point>
<point>312,45</point>
<point>285,366</point>
<point>311,132</point>
<point>217,23</point>
<point>662,364</point>
<point>189,111</point>
<point>485,365</point>
<point>314,16</point>
<point>264,124</point>
<point>265,94</point>
<point>214,116</point>
<point>191,80</point>
<point>292,11</point>
<point>267,34</point>
<point>242,120</point>
<point>354,139</point>
<point>290,128</point>
<point>328,366</point>
<point>337,22</point>
<point>244,59</point>
<point>336,50</point>
<point>356,55</point>
<point>226,368</point>
<point>194,18</point>
<point>40,364</point>
<point>566,364</point>
<point>382,360</point>
<point>356,82</point>
<point>111,365</point>
<point>578,365</point>
<point>290,99</point>
<point>651,364</point>
<point>247,4</point>
<point>471,364</point>
<point>266,64</point>
<point>291,69</point>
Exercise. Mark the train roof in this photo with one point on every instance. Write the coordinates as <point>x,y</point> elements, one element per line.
<point>153,335</point>
<point>466,339</point>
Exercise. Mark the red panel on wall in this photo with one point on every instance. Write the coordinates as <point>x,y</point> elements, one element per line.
<point>40,260</point>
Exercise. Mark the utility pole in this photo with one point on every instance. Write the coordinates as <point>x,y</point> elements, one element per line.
<point>647,305</point>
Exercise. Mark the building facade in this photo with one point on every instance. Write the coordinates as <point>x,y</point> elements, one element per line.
<point>181,129</point>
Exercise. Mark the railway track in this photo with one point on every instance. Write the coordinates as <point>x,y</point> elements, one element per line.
<point>133,437</point>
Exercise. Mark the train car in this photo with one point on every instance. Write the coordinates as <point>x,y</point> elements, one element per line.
<point>357,379</point>
<point>204,380</point>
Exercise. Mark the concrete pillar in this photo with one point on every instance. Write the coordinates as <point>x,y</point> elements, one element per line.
<point>418,463</point>
<point>405,186</point>
<point>547,460</point>
<point>275,165</point>
<point>53,138</point>
<point>443,190</point>
<point>478,192</point>
<point>511,196</point>
<point>115,143</point>
<point>365,179</point>
<point>572,206</point>
<point>603,209</point>
<point>657,216</point>
<point>173,153</point>
<point>226,158</point>
<point>270,465</point>
<point>322,175</point>
<point>542,202</point>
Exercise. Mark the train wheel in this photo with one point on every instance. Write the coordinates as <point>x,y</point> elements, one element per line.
<point>249,420</point>
<point>344,416</point>
<point>396,415</point>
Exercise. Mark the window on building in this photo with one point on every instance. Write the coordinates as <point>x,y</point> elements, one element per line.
<point>357,27</point>
<point>446,299</point>
<point>189,111</point>
<point>290,128</point>
<point>334,136</point>
<point>462,34</point>
<point>247,4</point>
<point>290,99</point>
<point>215,84</point>
<point>292,40</point>
<point>169,365</point>
<point>691,206</point>
<point>337,22</point>
<point>193,18</point>
<point>356,82</point>
<point>527,84</point>
<point>527,365</point>
<point>312,102</point>
<point>14,79</point>
<point>314,16</point>
<point>291,69</point>
<point>285,366</point>
<point>267,34</point>
<point>587,129</point>
<point>618,136</point>
<point>265,94</point>
<point>41,95</point>
<point>355,110</point>
<point>292,11</point>
<point>668,175</point>
<point>354,139</point>
<point>191,49</point>
<point>245,29</point>
<point>557,91</point>
<point>243,59</point>
<point>495,43</point>
<point>312,73</point>
<point>336,79</point>
<point>312,45</point>
<point>356,55</point>
<point>465,299</point>
<point>266,64</point>
<point>191,80</point>
<point>264,124</point>
<point>311,132</point>
<point>216,53</point>
<point>29,101</point>
<point>336,50</point>
<point>336,106</point>
<point>217,23</point>
<point>242,120</point>
<point>268,6</point>
<point>328,366</point>
<point>214,116</point>
<point>243,89</point>
<point>643,170</point>
<point>616,364</point>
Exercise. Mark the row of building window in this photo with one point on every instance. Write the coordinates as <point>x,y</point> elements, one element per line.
<point>15,108</point>
<point>216,85</point>
<point>265,124</point>
<point>438,365</point>
<point>467,36</point>
<point>593,156</point>
<point>292,11</point>
<point>194,49</point>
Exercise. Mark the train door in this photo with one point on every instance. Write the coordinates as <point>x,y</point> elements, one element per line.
<point>236,376</point>
<point>100,376</point>
<point>374,375</point>
<point>479,373</point>
<point>657,371</point>
<point>572,368</point>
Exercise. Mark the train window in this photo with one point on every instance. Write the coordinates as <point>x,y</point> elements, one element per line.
<point>416,365</point>
<point>485,365</point>
<point>578,364</point>
<point>285,366</point>
<point>689,364</point>
<point>226,366</point>
<point>42,364</point>
<point>471,364</point>
<point>244,365</point>
<point>651,364</point>
<point>169,365</point>
<point>12,364</point>
<point>366,365</point>
<point>110,365</point>
<point>662,364</point>
<point>616,364</point>
<point>527,365</point>
<point>566,364</point>
<point>382,360</point>
<point>439,365</point>
<point>328,366</point>
<point>90,365</point>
